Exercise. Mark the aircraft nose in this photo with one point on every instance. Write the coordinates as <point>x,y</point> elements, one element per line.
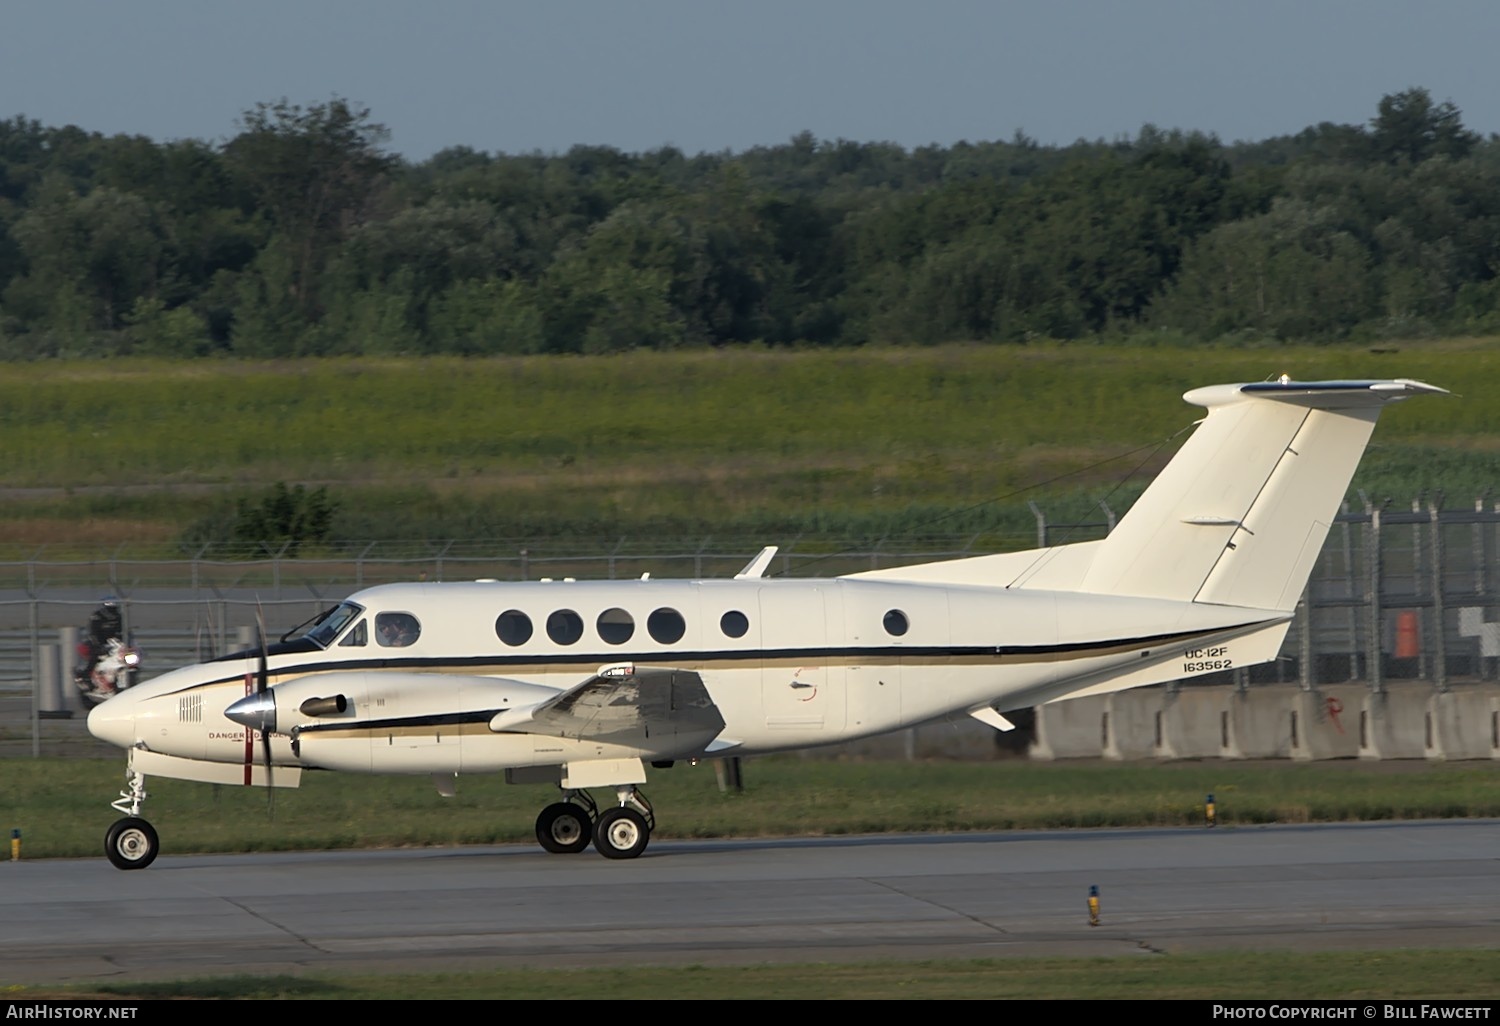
<point>114,721</point>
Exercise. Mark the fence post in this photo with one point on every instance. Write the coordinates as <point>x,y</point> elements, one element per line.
<point>1305,639</point>
<point>359,566</point>
<point>1439,639</point>
<point>1479,539</point>
<point>1041,524</point>
<point>1373,618</point>
<point>1351,615</point>
<point>36,684</point>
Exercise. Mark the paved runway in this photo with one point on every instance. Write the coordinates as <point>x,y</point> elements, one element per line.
<point>1430,884</point>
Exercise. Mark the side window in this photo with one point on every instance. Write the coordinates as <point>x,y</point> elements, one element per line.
<point>615,626</point>
<point>734,624</point>
<point>565,627</point>
<point>357,638</point>
<point>666,625</point>
<point>396,630</point>
<point>513,627</point>
<point>895,623</point>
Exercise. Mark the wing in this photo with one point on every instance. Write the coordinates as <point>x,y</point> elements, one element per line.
<point>625,705</point>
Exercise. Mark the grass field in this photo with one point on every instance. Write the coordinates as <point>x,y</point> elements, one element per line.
<point>738,443</point>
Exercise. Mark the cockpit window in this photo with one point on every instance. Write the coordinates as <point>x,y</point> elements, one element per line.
<point>358,637</point>
<point>326,626</point>
<point>396,630</point>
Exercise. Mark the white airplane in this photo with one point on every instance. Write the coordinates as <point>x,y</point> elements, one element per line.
<point>582,683</point>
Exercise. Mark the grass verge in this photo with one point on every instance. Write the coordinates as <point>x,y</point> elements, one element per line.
<point>60,805</point>
<point>1282,976</point>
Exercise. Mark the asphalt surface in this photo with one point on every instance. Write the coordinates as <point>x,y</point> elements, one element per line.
<point>1307,888</point>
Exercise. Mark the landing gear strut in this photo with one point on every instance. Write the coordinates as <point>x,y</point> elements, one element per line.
<point>131,843</point>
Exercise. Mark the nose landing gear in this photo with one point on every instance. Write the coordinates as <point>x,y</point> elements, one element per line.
<point>131,843</point>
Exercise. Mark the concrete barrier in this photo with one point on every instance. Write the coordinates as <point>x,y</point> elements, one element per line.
<point>1259,722</point>
<point>1393,724</point>
<point>1130,727</point>
<point>1459,724</point>
<point>1327,722</point>
<point>1267,721</point>
<point>1193,723</point>
<point>1071,730</point>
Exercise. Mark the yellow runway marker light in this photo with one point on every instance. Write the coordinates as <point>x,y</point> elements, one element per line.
<point>1208,809</point>
<point>1093,906</point>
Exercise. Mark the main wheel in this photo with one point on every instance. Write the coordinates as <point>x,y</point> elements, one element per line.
<point>563,828</point>
<point>131,843</point>
<point>621,833</point>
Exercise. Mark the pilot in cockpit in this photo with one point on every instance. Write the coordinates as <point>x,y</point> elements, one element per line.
<point>396,630</point>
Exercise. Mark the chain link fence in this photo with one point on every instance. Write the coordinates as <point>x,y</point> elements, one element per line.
<point>1400,592</point>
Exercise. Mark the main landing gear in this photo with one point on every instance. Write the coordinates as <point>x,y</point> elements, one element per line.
<point>621,832</point>
<point>131,843</point>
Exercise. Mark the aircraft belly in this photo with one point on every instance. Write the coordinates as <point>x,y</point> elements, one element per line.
<point>513,751</point>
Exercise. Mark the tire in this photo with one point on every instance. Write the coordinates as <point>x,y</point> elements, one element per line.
<point>131,843</point>
<point>621,833</point>
<point>564,828</point>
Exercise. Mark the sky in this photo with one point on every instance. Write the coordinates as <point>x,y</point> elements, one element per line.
<point>714,75</point>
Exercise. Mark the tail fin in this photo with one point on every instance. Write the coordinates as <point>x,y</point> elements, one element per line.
<point>1240,514</point>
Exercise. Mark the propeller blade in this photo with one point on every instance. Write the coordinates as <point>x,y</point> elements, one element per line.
<point>260,637</point>
<point>262,682</point>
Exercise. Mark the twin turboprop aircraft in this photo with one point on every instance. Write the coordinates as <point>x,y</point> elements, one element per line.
<point>582,683</point>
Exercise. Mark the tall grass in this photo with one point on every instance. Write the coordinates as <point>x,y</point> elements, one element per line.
<point>846,442</point>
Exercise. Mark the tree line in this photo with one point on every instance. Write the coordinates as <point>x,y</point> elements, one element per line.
<point>303,235</point>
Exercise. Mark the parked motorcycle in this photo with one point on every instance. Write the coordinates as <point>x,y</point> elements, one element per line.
<point>108,664</point>
<point>114,671</point>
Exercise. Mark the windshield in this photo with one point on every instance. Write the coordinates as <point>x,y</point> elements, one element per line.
<point>326,626</point>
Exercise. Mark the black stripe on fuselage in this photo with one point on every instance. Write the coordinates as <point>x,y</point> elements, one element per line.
<point>498,662</point>
<point>398,722</point>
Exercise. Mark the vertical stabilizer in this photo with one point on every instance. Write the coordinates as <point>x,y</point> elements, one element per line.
<point>1240,514</point>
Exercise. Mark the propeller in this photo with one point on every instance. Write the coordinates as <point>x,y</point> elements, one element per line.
<point>262,677</point>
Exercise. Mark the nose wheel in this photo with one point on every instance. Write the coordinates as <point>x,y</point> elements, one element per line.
<point>131,843</point>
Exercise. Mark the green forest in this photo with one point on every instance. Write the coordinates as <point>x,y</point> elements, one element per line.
<point>301,234</point>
